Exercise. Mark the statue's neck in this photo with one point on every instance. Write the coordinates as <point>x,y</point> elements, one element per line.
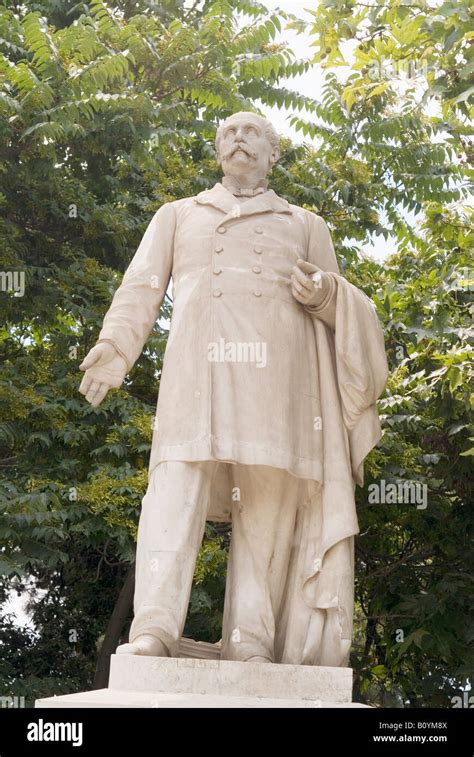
<point>247,187</point>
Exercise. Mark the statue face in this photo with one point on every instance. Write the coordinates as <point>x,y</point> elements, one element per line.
<point>244,147</point>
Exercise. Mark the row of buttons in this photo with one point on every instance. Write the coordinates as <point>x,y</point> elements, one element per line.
<point>219,248</point>
<point>256,269</point>
<point>218,293</point>
<point>223,230</point>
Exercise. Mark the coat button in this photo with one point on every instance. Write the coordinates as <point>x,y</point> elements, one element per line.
<point>222,229</point>
<point>257,269</point>
<point>217,293</point>
<point>217,271</point>
<point>257,292</point>
<point>258,250</point>
<point>258,230</point>
<point>218,248</point>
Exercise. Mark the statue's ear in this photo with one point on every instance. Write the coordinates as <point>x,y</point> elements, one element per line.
<point>275,155</point>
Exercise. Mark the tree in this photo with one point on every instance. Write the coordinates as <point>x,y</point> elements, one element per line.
<point>105,119</point>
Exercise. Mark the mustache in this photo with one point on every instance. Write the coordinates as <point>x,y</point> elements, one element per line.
<point>240,146</point>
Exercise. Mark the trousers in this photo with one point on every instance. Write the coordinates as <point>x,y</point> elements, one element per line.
<point>264,504</point>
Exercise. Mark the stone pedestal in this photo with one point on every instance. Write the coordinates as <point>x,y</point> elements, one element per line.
<point>185,682</point>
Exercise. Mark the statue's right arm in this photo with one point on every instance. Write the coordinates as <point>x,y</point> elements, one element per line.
<point>134,309</point>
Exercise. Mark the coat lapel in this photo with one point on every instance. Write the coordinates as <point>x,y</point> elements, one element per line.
<point>220,197</point>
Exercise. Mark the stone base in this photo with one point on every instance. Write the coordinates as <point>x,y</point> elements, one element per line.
<point>184,682</point>
<point>130,699</point>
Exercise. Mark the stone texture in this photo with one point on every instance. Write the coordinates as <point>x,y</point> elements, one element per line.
<point>136,699</point>
<point>134,673</point>
<point>183,682</point>
<point>202,650</point>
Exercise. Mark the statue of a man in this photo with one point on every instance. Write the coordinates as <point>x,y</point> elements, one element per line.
<point>265,414</point>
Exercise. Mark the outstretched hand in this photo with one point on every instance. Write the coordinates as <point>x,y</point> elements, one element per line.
<point>104,368</point>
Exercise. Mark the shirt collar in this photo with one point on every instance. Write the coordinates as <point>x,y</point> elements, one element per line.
<point>230,183</point>
<point>221,198</point>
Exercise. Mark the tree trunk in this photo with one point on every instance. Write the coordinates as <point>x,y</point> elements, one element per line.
<point>114,630</point>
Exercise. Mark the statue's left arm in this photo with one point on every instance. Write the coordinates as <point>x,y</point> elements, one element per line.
<point>311,283</point>
<point>357,337</point>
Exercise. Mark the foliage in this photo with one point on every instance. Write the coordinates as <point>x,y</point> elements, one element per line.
<point>104,115</point>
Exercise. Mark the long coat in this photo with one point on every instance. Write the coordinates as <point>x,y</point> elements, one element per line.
<point>238,381</point>
<point>252,376</point>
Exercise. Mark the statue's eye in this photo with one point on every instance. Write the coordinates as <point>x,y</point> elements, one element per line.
<point>252,130</point>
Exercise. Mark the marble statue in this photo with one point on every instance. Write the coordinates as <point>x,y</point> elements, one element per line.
<point>266,411</point>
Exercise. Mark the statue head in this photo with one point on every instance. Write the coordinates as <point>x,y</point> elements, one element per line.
<point>247,144</point>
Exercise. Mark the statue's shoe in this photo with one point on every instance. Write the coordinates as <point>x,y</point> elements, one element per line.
<point>144,645</point>
<point>257,658</point>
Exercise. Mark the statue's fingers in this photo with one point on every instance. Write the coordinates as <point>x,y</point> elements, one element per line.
<point>100,394</point>
<point>297,295</point>
<point>90,359</point>
<point>306,266</point>
<point>101,354</point>
<point>93,389</point>
<point>302,291</point>
<point>85,384</point>
<point>303,279</point>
